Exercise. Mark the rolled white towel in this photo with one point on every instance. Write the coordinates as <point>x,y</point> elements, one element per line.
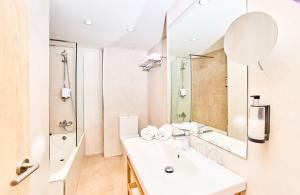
<point>149,133</point>
<point>165,132</point>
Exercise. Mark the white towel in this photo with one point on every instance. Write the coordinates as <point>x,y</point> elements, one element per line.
<point>165,132</point>
<point>149,133</point>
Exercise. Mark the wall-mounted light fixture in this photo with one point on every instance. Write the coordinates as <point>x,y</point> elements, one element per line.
<point>88,22</point>
<point>130,29</point>
<point>203,2</point>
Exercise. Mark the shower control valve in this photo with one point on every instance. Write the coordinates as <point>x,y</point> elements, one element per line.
<point>65,123</point>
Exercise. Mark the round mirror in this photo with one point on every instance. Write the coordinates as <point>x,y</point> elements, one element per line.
<point>250,38</point>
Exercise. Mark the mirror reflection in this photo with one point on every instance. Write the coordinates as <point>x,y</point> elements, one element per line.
<point>208,90</point>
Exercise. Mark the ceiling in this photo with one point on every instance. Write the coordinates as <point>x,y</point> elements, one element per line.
<point>205,24</point>
<point>110,20</point>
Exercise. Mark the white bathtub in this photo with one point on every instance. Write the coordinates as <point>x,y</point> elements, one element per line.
<point>65,175</point>
<point>61,147</point>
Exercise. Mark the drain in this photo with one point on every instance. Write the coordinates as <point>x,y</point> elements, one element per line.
<point>169,169</point>
<point>62,160</point>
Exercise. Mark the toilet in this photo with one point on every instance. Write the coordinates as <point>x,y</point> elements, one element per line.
<point>128,126</point>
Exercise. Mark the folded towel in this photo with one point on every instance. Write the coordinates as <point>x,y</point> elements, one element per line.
<point>165,132</point>
<point>149,133</point>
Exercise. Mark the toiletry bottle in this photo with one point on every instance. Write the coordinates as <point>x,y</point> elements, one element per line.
<point>259,121</point>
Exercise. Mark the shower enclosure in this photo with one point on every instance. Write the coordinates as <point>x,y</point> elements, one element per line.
<point>66,104</point>
<point>182,82</point>
<point>181,90</point>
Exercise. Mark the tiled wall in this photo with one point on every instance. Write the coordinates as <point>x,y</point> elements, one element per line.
<point>61,110</point>
<point>209,90</point>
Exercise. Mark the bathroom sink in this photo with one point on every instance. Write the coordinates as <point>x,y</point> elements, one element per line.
<point>193,173</point>
<point>171,154</point>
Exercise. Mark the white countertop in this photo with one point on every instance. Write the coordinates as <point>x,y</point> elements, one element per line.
<point>194,174</point>
<point>216,137</point>
<point>227,143</point>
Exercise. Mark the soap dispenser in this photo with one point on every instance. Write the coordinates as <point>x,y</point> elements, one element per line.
<point>259,121</point>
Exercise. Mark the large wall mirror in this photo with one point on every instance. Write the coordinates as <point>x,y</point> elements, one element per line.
<point>209,92</point>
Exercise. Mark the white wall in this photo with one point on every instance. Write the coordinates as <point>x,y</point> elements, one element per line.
<point>125,93</point>
<point>91,59</point>
<point>237,90</point>
<point>273,168</point>
<point>157,89</point>
<point>80,95</point>
<point>39,93</point>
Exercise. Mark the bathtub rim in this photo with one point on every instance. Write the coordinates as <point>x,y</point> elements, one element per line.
<point>62,173</point>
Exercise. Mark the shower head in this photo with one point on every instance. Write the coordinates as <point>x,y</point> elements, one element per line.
<point>183,65</point>
<point>64,55</point>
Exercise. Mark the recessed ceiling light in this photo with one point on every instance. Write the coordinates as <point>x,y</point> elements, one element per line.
<point>203,2</point>
<point>130,29</point>
<point>193,39</point>
<point>88,22</point>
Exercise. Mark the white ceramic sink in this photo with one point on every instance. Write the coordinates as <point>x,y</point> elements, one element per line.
<point>228,143</point>
<point>193,173</point>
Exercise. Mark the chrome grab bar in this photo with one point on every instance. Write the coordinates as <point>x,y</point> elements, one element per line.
<point>24,169</point>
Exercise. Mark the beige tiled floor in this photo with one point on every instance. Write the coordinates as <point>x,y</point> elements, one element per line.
<point>102,176</point>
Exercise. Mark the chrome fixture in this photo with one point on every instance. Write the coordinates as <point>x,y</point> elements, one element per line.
<point>169,169</point>
<point>66,90</point>
<point>182,115</point>
<point>201,130</point>
<point>186,144</point>
<point>65,124</point>
<point>185,132</point>
<point>23,170</point>
<point>153,60</point>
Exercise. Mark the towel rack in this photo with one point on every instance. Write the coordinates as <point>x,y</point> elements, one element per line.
<point>153,60</point>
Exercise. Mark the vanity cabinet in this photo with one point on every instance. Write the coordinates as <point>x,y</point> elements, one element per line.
<point>194,170</point>
<point>132,181</point>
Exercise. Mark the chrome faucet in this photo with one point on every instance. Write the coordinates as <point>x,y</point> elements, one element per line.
<point>186,143</point>
<point>184,138</point>
<point>202,131</point>
<point>185,133</point>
